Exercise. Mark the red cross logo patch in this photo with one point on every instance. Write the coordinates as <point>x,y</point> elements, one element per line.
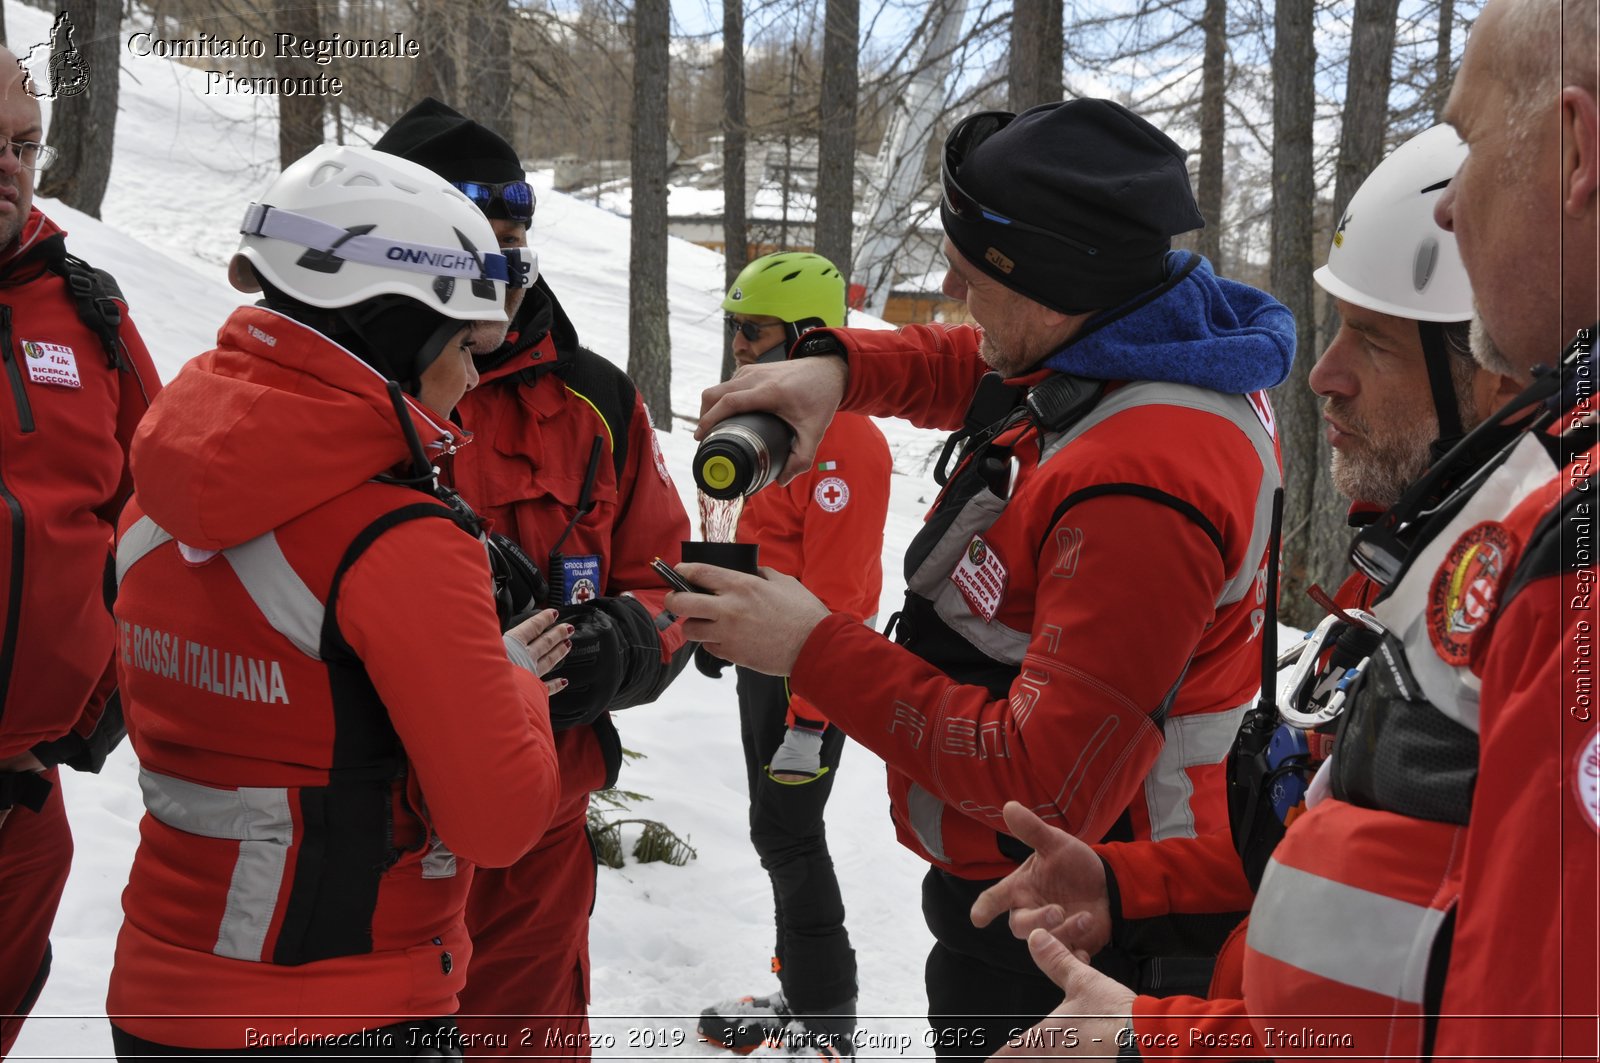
<point>832,493</point>
<point>1462,597</point>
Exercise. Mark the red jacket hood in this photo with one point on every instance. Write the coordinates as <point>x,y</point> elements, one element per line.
<point>275,421</point>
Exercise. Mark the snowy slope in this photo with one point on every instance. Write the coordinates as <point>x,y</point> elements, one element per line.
<point>667,941</point>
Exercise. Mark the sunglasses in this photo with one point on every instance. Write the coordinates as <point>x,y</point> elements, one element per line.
<point>958,147</point>
<point>748,329</point>
<point>516,196</point>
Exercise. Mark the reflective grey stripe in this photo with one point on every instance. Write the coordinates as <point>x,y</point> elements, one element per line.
<point>1191,741</point>
<point>279,592</point>
<point>438,861</point>
<point>272,583</point>
<point>992,637</point>
<point>258,819</point>
<point>927,821</point>
<point>1233,408</point>
<point>932,581</point>
<point>1343,933</point>
<point>144,536</point>
<point>1454,691</point>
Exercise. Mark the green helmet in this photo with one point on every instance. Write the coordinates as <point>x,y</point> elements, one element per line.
<point>795,287</point>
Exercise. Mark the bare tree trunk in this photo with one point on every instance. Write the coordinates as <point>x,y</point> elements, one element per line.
<point>1293,191</point>
<point>488,57</point>
<point>299,116</point>
<point>1441,58</point>
<point>1034,76</point>
<point>436,66</point>
<point>1366,111</point>
<point>1213,128</point>
<point>1051,85</point>
<point>1323,544</point>
<point>735,225</point>
<point>82,122</point>
<point>649,344</point>
<point>836,142</point>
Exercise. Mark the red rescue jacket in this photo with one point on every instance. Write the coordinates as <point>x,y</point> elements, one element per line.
<point>316,686</point>
<point>1198,875</point>
<point>1532,873</point>
<point>535,417</point>
<point>1062,584</point>
<point>1346,937</point>
<point>65,424</point>
<point>825,528</point>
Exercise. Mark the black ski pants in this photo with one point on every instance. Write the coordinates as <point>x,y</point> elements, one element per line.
<point>815,964</point>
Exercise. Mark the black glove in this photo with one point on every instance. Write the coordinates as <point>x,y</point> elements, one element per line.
<point>87,754</point>
<point>615,661</point>
<point>593,668</point>
<point>709,664</point>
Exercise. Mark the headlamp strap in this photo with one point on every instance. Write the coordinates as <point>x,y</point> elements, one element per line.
<point>330,247</point>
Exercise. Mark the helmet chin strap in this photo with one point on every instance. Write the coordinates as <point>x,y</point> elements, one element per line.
<point>1446,403</point>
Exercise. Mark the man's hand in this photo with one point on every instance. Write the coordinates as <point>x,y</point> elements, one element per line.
<point>1060,889</point>
<point>1091,1017</point>
<point>805,392</point>
<point>759,622</point>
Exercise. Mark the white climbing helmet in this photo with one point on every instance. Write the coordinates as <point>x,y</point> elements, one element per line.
<point>1388,254</point>
<point>345,224</point>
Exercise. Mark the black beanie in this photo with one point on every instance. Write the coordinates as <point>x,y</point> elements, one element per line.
<point>1090,170</point>
<point>437,136</point>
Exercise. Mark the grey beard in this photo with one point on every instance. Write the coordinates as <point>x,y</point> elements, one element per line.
<point>1484,351</point>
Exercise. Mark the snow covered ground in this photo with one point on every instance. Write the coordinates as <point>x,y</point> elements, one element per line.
<point>667,941</point>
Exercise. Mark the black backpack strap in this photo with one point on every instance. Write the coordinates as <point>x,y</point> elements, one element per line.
<point>1562,541</point>
<point>94,297</point>
<point>333,643</point>
<point>611,393</point>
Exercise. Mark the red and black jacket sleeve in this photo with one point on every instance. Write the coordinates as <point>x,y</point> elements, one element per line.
<point>1533,842</point>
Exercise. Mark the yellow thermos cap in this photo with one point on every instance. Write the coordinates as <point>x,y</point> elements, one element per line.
<point>718,472</point>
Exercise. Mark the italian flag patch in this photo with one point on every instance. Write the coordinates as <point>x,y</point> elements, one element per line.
<point>827,466</point>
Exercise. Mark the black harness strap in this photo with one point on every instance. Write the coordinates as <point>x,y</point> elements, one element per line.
<point>94,297</point>
<point>1446,403</point>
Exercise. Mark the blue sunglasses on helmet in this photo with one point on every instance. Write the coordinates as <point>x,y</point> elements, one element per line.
<point>516,197</point>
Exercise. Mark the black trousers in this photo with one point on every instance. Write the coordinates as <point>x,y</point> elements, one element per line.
<point>983,986</point>
<point>424,1039</point>
<point>816,965</point>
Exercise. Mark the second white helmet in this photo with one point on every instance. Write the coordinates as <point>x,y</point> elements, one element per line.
<point>1388,253</point>
<point>346,224</point>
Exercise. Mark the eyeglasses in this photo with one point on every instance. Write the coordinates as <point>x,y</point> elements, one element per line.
<point>30,153</point>
<point>958,146</point>
<point>748,329</point>
<point>517,196</point>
